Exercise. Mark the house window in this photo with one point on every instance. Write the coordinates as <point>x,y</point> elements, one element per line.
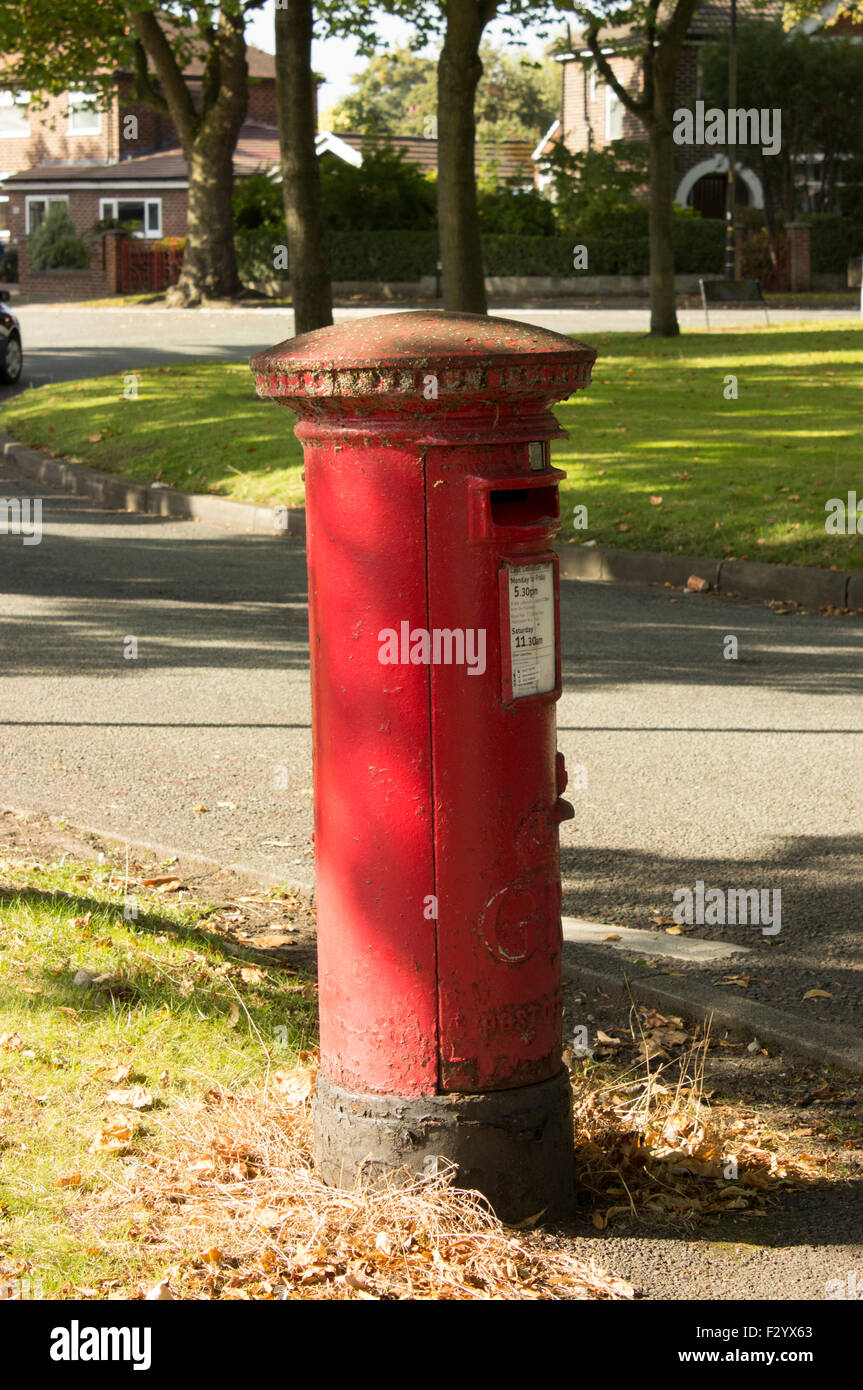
<point>14,114</point>
<point>38,205</point>
<point>85,118</point>
<point>145,214</point>
<point>613,115</point>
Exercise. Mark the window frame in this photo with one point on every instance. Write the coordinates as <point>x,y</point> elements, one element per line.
<point>83,102</point>
<point>610,98</point>
<point>19,98</point>
<point>109,207</point>
<point>47,199</point>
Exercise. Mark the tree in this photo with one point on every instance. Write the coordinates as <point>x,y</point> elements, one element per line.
<point>654,37</point>
<point>815,80</point>
<point>591,185</point>
<point>207,134</point>
<point>55,47</point>
<point>394,94</point>
<point>462,23</point>
<point>301,185</point>
<point>517,97</point>
<point>458,75</point>
<point>460,69</point>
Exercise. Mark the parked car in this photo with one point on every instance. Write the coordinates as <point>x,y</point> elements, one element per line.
<point>10,345</point>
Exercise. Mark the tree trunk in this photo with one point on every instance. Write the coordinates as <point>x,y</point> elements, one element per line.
<point>663,302</point>
<point>459,71</point>
<point>301,184</point>
<point>208,137</point>
<point>209,263</point>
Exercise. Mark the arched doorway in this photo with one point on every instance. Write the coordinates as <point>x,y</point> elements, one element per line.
<point>703,187</point>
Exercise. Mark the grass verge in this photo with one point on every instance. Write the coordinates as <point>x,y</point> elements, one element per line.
<point>661,453</point>
<point>107,1021</point>
<point>155,1134</point>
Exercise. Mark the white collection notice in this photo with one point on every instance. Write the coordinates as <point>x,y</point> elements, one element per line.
<point>531,628</point>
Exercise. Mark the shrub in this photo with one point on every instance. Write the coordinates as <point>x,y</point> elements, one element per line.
<point>622,248</point>
<point>257,201</point>
<point>518,211</point>
<point>55,244</point>
<point>360,255</point>
<point>833,241</point>
<point>9,266</point>
<point>385,191</point>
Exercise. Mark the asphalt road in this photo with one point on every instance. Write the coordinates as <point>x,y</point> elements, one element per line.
<point>65,342</point>
<point>743,774</point>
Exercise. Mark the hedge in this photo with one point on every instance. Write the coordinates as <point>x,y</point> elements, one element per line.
<point>833,241</point>
<point>358,255</point>
<point>409,255</point>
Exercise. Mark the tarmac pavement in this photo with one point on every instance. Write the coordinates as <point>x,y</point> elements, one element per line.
<point>684,766</point>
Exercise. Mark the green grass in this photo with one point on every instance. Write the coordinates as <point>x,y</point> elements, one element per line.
<point>186,1016</point>
<point>760,468</point>
<point>198,426</point>
<point>655,412</point>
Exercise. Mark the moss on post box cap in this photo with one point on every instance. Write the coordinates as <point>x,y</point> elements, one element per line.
<point>388,360</point>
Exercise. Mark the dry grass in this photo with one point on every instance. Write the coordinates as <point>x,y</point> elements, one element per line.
<point>231,1206</point>
<point>648,1141</point>
<point>241,1178</point>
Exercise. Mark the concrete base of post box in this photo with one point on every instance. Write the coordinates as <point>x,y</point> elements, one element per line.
<point>515,1147</point>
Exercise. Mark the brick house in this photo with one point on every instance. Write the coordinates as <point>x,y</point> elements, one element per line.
<point>593,117</point>
<point>115,159</point>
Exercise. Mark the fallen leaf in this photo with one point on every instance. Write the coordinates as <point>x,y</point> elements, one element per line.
<point>654,500</point>
<point>119,1074</point>
<point>817,994</point>
<point>269,1217</point>
<point>676,930</point>
<point>11,1042</point>
<point>612,936</point>
<point>116,1135</point>
<point>136,1097</point>
<point>234,1016</point>
<point>68,1179</point>
<point>252,975</point>
<point>293,1087</point>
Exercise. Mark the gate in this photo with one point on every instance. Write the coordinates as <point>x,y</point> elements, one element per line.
<point>767,259</point>
<point>144,267</point>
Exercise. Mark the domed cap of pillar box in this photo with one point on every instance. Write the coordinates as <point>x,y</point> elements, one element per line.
<point>424,362</point>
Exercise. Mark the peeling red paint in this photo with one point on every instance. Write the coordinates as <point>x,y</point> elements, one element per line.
<point>460,798</point>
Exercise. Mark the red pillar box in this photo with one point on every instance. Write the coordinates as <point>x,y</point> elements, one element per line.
<point>431,507</point>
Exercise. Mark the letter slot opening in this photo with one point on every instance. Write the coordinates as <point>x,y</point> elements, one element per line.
<point>527,506</point>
